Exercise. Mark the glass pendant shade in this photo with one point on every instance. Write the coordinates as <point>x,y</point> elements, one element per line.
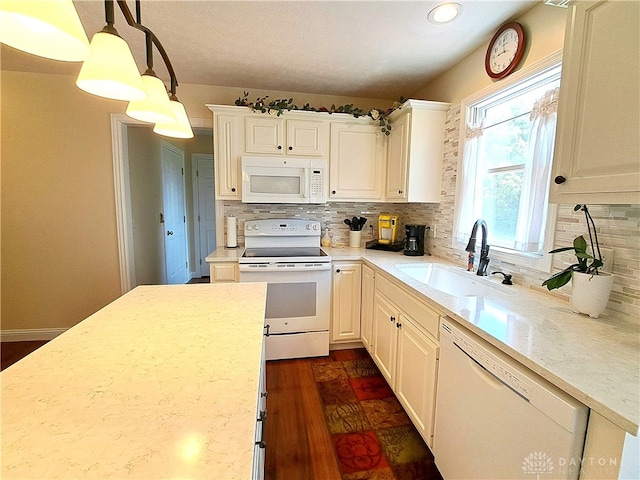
<point>50,29</point>
<point>156,108</point>
<point>181,128</point>
<point>110,71</point>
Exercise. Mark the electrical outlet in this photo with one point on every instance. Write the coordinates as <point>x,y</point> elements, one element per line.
<point>607,259</point>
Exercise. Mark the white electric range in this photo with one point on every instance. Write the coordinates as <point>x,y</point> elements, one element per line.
<point>286,254</point>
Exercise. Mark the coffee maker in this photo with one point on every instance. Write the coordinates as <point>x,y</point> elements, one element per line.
<point>414,240</point>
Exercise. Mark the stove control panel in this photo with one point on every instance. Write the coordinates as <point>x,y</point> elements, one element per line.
<point>282,227</point>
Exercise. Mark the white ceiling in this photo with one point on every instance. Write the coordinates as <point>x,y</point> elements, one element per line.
<point>369,49</point>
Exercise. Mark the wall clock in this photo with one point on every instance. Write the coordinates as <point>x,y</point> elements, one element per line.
<point>505,50</point>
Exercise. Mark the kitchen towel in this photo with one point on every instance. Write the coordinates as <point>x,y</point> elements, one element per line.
<point>232,235</point>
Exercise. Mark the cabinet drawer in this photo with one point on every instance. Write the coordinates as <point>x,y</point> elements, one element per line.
<point>425,317</point>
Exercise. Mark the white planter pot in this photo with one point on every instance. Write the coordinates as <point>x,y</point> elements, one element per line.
<point>590,293</point>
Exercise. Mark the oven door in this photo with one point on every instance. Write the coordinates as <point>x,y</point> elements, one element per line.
<point>298,306</point>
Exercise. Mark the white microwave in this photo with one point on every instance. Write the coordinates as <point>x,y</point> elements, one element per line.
<point>284,180</point>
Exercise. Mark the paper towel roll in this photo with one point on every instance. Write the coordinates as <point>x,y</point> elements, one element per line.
<point>232,235</point>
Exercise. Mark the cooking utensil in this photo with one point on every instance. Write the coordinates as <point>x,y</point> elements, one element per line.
<point>348,222</point>
<point>361,222</point>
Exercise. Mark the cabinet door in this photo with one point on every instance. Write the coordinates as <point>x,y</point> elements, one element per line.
<point>598,140</point>
<point>398,158</point>
<point>384,336</point>
<point>307,138</point>
<point>356,163</point>
<point>223,272</point>
<point>366,313</point>
<point>264,134</point>
<point>345,321</point>
<point>227,164</point>
<point>415,380</point>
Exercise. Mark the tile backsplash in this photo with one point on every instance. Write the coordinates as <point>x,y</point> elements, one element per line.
<point>618,228</point>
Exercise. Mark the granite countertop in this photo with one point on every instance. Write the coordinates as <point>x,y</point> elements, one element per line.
<point>594,360</point>
<point>161,383</point>
<point>597,361</point>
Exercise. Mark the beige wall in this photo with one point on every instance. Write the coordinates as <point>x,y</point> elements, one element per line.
<point>59,245</point>
<point>544,26</point>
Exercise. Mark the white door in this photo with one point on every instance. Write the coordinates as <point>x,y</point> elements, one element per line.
<point>204,210</point>
<point>175,232</point>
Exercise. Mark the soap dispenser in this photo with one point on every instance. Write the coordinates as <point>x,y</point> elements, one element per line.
<point>325,241</point>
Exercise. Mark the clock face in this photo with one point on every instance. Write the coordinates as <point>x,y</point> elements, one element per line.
<point>505,50</point>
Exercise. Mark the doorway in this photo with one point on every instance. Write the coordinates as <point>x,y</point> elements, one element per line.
<point>174,215</point>
<point>124,217</point>
<point>204,212</point>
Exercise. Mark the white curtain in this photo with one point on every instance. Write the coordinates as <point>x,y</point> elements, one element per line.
<point>532,216</point>
<point>470,188</point>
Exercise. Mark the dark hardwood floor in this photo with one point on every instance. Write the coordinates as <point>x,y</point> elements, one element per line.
<point>11,352</point>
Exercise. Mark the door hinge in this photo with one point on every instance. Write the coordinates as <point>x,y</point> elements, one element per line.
<point>198,217</point>
<point>182,171</point>
<point>186,264</point>
<point>200,261</point>
<point>161,217</point>
<point>184,219</point>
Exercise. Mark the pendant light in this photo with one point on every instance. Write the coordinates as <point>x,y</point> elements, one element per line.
<point>156,108</point>
<point>180,128</point>
<point>110,71</point>
<point>50,29</point>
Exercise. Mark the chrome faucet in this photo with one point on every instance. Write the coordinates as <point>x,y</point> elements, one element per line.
<point>484,248</point>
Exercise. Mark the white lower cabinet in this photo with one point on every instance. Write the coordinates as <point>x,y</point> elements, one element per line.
<point>366,307</point>
<point>406,350</point>
<point>260,447</point>
<point>345,315</point>
<point>223,272</point>
<point>416,376</point>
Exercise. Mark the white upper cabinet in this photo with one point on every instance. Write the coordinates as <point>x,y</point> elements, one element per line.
<point>415,151</point>
<point>356,163</point>
<point>277,136</point>
<point>597,151</point>
<point>226,129</point>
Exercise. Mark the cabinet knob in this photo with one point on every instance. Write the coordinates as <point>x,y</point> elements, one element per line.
<point>333,192</point>
<point>559,180</point>
<point>337,270</point>
<point>392,319</point>
<point>398,325</point>
<point>233,189</point>
<point>169,232</point>
<point>400,192</point>
<point>279,147</point>
<point>290,147</point>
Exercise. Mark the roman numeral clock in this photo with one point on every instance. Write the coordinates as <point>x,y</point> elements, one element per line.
<point>505,50</point>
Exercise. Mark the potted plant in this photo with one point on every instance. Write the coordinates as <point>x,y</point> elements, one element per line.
<point>590,288</point>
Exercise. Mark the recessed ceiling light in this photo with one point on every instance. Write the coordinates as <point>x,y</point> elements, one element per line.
<point>444,13</point>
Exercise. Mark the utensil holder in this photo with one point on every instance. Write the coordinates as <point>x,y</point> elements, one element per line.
<point>355,236</point>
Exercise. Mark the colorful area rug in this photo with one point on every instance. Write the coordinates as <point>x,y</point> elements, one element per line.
<point>372,436</point>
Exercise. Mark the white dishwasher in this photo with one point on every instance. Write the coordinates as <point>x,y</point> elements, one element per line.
<point>497,420</point>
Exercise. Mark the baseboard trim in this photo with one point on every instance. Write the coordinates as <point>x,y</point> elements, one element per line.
<point>30,334</point>
<point>345,346</point>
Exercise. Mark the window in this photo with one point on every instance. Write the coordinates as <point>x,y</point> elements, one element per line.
<point>507,138</point>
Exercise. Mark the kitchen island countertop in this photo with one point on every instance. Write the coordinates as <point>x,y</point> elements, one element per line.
<point>161,383</point>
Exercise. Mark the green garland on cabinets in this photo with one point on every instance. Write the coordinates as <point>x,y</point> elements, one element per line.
<point>278,106</point>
